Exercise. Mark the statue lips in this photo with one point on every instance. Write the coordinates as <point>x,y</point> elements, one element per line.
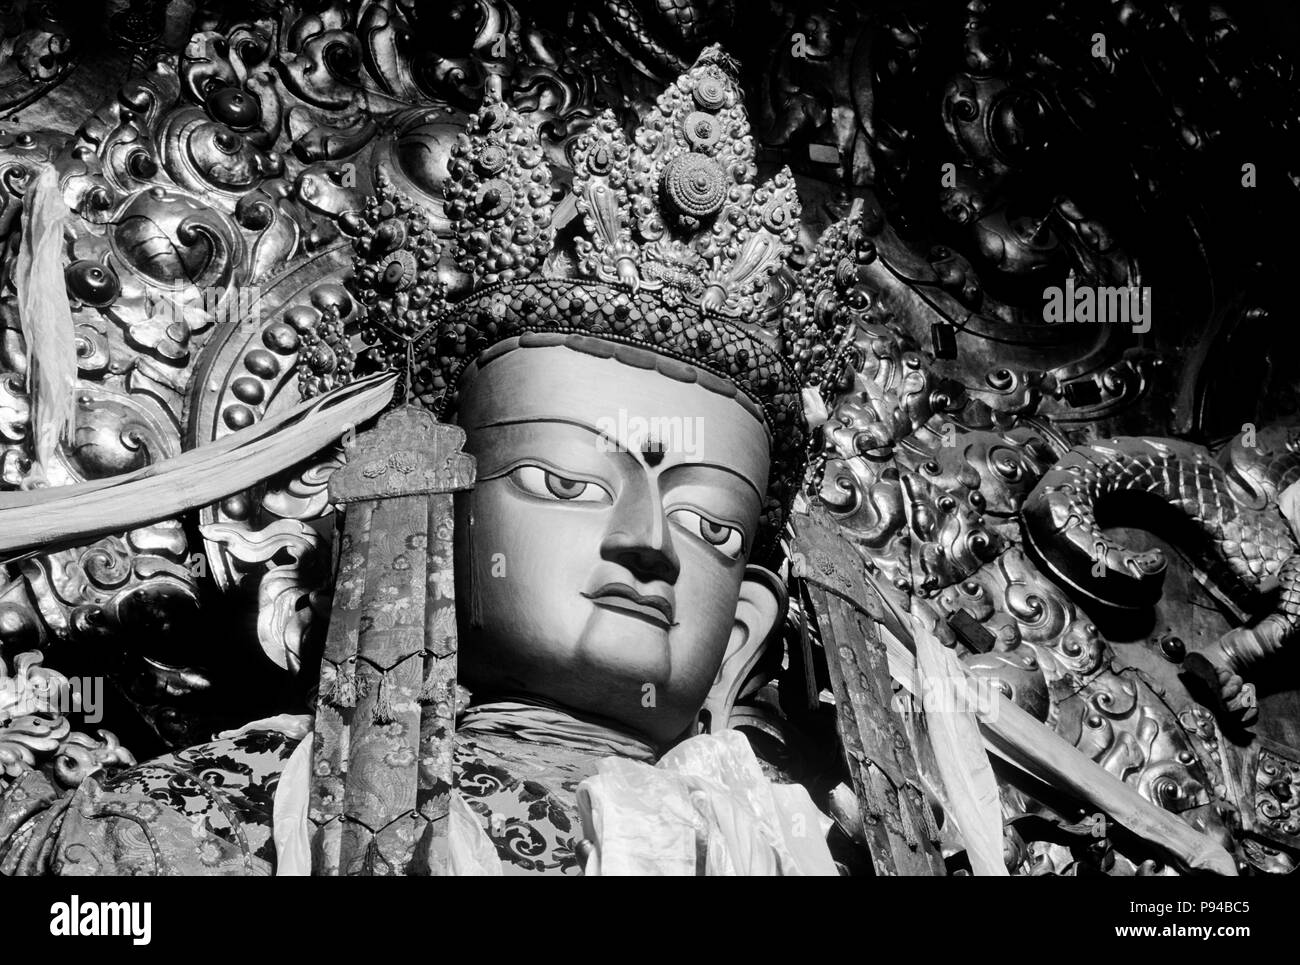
<point>657,609</point>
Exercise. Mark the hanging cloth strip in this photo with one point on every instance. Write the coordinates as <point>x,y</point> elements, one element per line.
<point>46,317</point>
<point>383,747</point>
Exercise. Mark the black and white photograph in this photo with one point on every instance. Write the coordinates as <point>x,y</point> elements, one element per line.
<point>647,438</point>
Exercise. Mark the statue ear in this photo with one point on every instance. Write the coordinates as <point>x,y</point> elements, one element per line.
<point>759,611</point>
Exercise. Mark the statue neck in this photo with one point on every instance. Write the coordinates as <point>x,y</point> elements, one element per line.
<point>537,721</point>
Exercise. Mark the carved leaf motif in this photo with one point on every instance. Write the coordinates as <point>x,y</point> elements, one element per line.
<point>32,689</point>
<point>285,592</point>
<point>304,494</point>
<point>25,737</point>
<point>15,411</point>
<point>30,722</point>
<point>80,755</point>
<point>33,726</point>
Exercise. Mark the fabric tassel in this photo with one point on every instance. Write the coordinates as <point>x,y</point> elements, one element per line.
<point>875,789</point>
<point>382,712</point>
<point>373,862</point>
<point>911,837</point>
<point>475,597</point>
<point>45,316</point>
<point>329,684</point>
<point>347,687</point>
<point>341,686</point>
<point>922,805</point>
<point>429,687</point>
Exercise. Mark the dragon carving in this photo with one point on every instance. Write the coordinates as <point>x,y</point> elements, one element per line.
<point>1235,527</point>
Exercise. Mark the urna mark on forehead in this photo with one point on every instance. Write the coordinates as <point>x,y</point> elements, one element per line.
<point>628,395</point>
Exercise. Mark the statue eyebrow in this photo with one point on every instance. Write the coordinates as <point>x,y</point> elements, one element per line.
<point>720,468</point>
<point>504,423</point>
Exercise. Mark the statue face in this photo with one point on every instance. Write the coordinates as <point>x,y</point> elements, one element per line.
<point>606,537</point>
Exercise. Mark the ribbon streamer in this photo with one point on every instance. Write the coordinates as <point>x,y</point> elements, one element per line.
<point>46,317</point>
<point>964,768</point>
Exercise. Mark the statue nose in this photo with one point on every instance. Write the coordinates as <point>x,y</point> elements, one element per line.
<point>639,538</point>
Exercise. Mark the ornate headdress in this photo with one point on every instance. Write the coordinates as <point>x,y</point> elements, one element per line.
<point>679,246</point>
<point>818,317</point>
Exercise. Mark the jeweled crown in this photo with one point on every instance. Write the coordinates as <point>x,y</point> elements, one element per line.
<point>679,246</point>
<point>818,318</point>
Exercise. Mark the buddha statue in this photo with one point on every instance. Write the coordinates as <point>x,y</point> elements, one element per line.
<point>608,572</point>
<point>637,437</point>
<point>609,381</point>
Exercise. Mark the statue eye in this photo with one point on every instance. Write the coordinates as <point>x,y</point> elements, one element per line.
<point>727,540</point>
<point>545,484</point>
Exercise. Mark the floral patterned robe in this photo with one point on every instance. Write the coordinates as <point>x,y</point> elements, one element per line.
<point>207,810</point>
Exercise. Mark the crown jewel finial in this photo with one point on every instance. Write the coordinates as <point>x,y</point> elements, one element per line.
<point>677,205</point>
<point>499,197</point>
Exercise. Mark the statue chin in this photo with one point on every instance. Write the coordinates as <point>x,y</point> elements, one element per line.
<point>601,553</point>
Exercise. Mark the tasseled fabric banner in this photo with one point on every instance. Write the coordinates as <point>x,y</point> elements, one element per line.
<point>881,760</point>
<point>45,316</point>
<point>385,723</point>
